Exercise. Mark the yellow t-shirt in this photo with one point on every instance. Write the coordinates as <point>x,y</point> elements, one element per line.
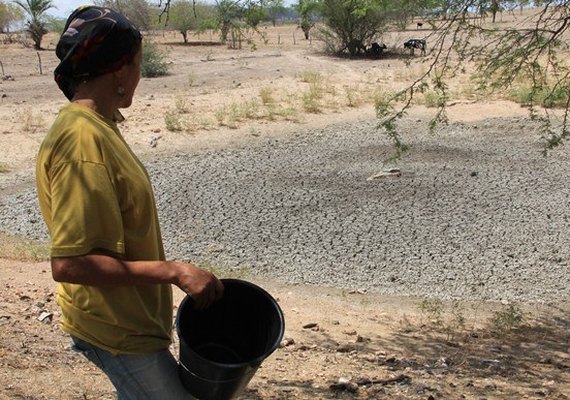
<point>95,194</point>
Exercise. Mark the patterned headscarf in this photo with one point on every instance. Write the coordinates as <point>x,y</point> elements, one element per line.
<point>95,41</point>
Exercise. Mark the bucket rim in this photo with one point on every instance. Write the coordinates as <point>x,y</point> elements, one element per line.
<point>186,370</point>
<point>254,363</point>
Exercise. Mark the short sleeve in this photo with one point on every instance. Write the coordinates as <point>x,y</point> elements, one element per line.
<point>85,211</point>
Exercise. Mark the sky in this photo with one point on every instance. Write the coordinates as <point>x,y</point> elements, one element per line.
<point>65,7</point>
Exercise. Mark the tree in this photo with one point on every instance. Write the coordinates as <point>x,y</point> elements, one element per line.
<point>531,51</point>
<point>402,11</point>
<point>494,8</point>
<point>36,12</point>
<point>273,9</point>
<point>9,14</point>
<point>139,12</point>
<point>307,10</point>
<point>234,16</point>
<point>228,14</point>
<point>186,16</point>
<point>353,23</point>
<point>55,24</point>
<point>253,13</point>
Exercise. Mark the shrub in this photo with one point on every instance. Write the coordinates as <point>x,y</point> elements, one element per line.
<point>555,98</point>
<point>153,61</point>
<point>250,109</point>
<point>382,99</point>
<point>506,319</point>
<point>547,97</point>
<point>311,77</point>
<point>181,105</point>
<point>353,96</point>
<point>313,96</point>
<point>31,121</point>
<point>432,99</point>
<point>173,121</point>
<point>312,100</point>
<point>266,95</point>
<point>433,310</point>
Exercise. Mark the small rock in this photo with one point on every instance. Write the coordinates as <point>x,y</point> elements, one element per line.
<point>45,316</point>
<point>154,141</point>
<point>357,291</point>
<point>288,341</point>
<point>345,385</point>
<point>370,357</point>
<point>394,172</point>
<point>310,325</point>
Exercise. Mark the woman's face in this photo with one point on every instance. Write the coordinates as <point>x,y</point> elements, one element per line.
<point>132,76</point>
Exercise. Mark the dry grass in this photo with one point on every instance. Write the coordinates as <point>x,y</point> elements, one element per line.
<point>21,249</point>
<point>31,121</point>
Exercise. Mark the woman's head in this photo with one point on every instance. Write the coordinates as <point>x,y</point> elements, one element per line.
<point>96,41</point>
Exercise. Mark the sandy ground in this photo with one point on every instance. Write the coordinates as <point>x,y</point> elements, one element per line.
<point>337,344</point>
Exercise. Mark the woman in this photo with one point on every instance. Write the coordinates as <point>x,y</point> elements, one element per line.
<point>114,285</point>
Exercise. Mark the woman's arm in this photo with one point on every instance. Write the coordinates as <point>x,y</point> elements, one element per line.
<point>106,270</point>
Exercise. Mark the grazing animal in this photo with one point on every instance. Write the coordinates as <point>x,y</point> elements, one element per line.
<point>413,44</point>
<point>376,49</point>
<point>419,25</point>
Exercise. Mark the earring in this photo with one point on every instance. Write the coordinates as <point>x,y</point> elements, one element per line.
<point>121,91</point>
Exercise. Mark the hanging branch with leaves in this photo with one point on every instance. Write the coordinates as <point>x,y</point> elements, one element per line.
<point>528,52</point>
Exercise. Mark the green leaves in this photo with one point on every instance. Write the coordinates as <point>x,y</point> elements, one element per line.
<point>525,60</point>
<point>36,24</point>
<point>154,61</point>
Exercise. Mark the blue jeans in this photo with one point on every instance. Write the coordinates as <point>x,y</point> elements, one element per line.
<point>152,376</point>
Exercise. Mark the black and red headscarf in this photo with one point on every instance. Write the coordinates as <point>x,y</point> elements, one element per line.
<point>95,41</point>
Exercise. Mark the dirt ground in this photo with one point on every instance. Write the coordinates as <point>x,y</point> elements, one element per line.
<point>338,344</point>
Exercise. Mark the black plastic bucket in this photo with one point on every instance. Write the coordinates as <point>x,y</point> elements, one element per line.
<point>222,347</point>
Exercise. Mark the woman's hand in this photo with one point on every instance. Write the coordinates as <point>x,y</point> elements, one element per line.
<point>201,285</point>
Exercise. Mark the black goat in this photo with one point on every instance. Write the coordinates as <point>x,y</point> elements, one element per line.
<point>413,44</point>
<point>376,49</point>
